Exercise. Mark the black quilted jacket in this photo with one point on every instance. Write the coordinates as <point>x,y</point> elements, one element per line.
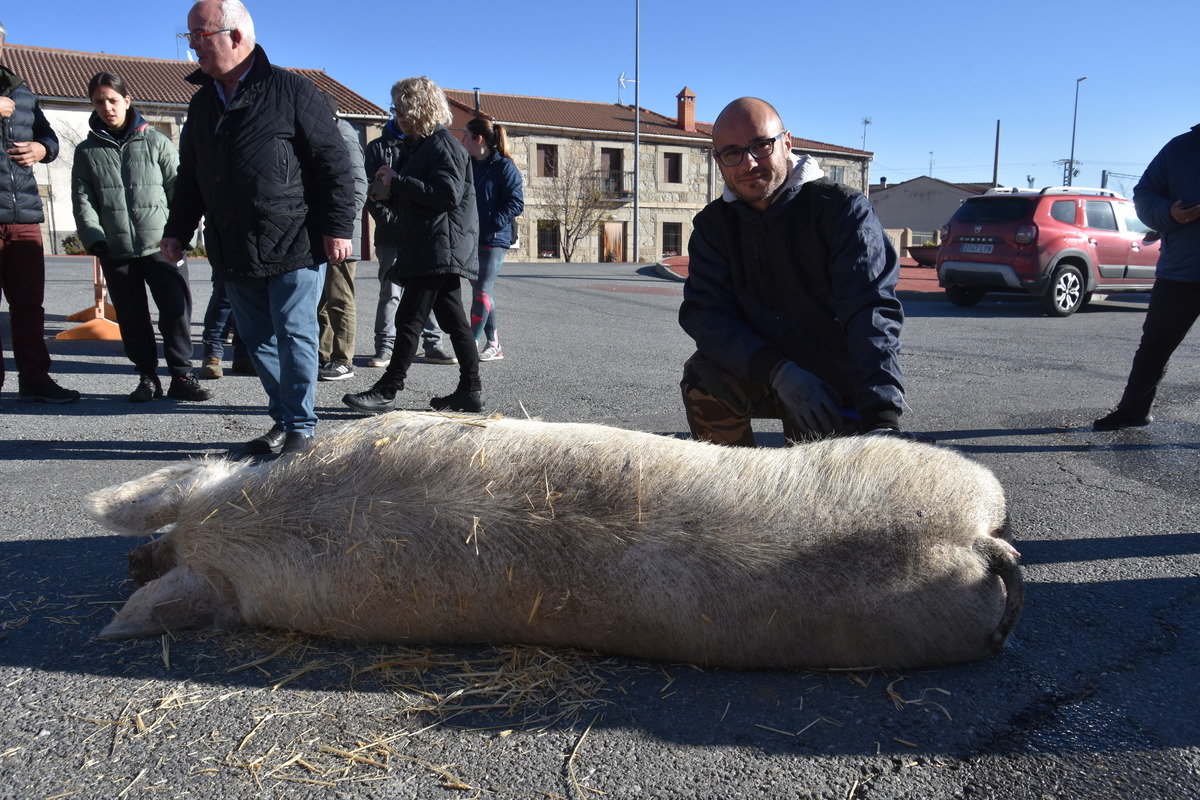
<point>270,174</point>
<point>19,200</point>
<point>434,199</point>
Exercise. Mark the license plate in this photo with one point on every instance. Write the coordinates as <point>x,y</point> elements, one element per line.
<point>976,248</point>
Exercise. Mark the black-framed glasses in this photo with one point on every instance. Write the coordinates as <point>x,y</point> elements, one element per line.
<point>763,148</point>
<point>199,36</point>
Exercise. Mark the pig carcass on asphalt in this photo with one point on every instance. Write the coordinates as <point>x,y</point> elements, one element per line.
<point>864,551</point>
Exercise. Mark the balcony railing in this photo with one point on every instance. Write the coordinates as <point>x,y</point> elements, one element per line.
<point>615,184</point>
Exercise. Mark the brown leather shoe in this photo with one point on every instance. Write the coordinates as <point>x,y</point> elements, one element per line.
<point>211,369</point>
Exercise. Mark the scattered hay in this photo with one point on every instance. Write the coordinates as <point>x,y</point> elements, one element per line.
<point>301,737</point>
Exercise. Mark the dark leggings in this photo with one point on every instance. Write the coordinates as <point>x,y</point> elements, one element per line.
<point>1174,306</point>
<point>441,294</point>
<point>128,280</point>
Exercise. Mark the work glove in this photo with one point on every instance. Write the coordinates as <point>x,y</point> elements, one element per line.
<point>812,402</point>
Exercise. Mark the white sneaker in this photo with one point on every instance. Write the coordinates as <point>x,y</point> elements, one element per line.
<point>491,353</point>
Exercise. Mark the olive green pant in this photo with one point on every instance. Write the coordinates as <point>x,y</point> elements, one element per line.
<point>335,313</point>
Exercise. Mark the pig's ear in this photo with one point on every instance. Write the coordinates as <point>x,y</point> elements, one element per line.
<point>145,505</point>
<point>179,600</point>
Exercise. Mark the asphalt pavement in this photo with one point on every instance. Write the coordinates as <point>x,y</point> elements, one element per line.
<point>1094,696</point>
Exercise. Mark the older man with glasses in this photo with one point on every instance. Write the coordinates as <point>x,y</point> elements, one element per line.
<point>790,296</point>
<point>262,161</point>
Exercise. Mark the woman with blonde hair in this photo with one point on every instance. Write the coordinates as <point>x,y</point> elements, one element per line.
<point>499,199</point>
<point>438,236</point>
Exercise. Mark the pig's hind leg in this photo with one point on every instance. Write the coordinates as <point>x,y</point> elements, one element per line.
<point>178,600</point>
<point>151,560</point>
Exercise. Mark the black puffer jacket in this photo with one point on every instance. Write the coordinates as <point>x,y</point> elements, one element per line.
<point>434,198</point>
<point>270,174</point>
<point>19,200</point>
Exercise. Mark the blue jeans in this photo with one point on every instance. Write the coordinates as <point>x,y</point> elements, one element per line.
<point>389,301</point>
<point>277,318</point>
<point>219,321</point>
<point>483,309</point>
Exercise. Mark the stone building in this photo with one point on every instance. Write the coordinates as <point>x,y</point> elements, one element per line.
<point>59,78</point>
<point>677,175</point>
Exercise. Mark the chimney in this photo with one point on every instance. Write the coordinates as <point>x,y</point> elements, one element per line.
<point>883,183</point>
<point>686,119</point>
<point>476,99</point>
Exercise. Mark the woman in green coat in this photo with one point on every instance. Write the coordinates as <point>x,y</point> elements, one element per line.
<point>121,183</point>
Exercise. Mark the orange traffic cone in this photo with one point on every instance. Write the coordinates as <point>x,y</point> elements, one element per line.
<point>100,316</point>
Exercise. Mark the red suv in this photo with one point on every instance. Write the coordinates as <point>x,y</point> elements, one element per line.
<point>1060,245</point>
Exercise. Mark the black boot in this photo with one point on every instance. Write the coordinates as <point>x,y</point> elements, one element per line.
<point>148,388</point>
<point>461,400</point>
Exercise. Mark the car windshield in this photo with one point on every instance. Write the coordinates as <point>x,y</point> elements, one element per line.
<point>994,209</point>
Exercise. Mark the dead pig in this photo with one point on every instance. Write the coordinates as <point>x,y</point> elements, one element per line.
<point>854,552</point>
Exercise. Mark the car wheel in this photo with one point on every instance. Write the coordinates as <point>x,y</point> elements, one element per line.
<point>964,296</point>
<point>1066,293</point>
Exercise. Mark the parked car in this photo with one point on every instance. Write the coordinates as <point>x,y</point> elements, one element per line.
<point>1059,244</point>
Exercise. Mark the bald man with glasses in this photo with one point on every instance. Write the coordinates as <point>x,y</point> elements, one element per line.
<point>262,162</point>
<point>791,296</point>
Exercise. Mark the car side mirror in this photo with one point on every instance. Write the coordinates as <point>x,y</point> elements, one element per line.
<point>1150,238</point>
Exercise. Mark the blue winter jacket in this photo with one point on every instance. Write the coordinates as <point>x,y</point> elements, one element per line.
<point>19,199</point>
<point>1174,174</point>
<point>498,197</point>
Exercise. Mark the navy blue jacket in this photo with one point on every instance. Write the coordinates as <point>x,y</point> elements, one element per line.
<point>270,174</point>
<point>498,197</point>
<point>1174,174</point>
<point>19,199</point>
<point>811,279</point>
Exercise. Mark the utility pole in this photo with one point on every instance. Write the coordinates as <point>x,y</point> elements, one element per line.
<point>1074,119</point>
<point>637,126</point>
<point>996,159</point>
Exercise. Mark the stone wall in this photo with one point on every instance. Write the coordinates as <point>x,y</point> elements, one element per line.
<point>659,202</point>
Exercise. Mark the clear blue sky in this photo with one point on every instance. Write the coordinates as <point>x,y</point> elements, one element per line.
<point>933,75</point>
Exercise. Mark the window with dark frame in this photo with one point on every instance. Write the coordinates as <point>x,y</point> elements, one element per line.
<point>672,167</point>
<point>547,238</point>
<point>672,239</point>
<point>547,160</point>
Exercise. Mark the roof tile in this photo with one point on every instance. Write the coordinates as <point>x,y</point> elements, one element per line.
<point>591,116</point>
<point>53,73</point>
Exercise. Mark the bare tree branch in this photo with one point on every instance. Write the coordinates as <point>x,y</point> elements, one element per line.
<point>577,200</point>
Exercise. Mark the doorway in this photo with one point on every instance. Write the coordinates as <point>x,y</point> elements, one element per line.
<point>612,242</point>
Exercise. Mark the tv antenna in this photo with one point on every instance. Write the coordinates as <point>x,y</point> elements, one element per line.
<point>621,81</point>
